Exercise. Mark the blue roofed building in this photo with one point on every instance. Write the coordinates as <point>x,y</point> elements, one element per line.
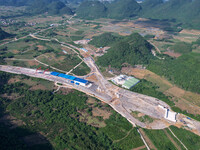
<point>72,79</point>
<point>80,81</point>
<point>54,73</point>
<point>61,75</point>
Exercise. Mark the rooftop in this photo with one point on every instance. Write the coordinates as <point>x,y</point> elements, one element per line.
<point>80,80</point>
<point>54,73</point>
<point>130,82</point>
<point>62,75</point>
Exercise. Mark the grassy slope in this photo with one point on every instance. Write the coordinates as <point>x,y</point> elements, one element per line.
<point>160,139</point>
<point>183,71</point>
<point>191,140</point>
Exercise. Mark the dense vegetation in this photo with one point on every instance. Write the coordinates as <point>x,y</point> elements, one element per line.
<point>183,71</point>
<point>183,11</point>
<point>119,9</point>
<point>3,34</point>
<point>105,39</point>
<point>14,2</point>
<point>57,117</point>
<point>122,9</point>
<point>133,49</point>
<point>91,10</point>
<point>53,7</point>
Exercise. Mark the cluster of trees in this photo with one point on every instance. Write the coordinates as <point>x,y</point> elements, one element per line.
<point>5,54</point>
<point>4,34</point>
<point>133,49</point>
<point>105,39</point>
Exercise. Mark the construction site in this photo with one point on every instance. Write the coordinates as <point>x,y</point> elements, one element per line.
<point>123,101</point>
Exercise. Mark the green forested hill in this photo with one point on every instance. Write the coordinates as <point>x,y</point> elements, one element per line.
<point>14,2</point>
<point>183,12</point>
<point>186,12</point>
<point>91,10</point>
<point>105,39</point>
<point>133,49</point>
<point>22,2</point>
<point>123,9</point>
<point>149,4</point>
<point>53,7</point>
<point>3,34</point>
<point>119,9</point>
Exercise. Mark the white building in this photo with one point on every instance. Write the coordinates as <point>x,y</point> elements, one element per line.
<point>169,115</point>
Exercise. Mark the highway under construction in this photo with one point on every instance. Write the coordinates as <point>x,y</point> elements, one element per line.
<point>122,101</point>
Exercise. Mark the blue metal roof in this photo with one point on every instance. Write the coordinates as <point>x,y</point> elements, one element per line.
<point>67,76</point>
<point>81,80</point>
<point>61,75</point>
<point>54,73</point>
<point>72,77</point>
